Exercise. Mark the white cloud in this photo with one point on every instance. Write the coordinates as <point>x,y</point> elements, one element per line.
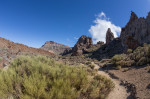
<point>102,23</point>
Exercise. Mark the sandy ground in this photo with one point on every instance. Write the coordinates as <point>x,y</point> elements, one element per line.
<point>119,92</point>
<point>140,77</point>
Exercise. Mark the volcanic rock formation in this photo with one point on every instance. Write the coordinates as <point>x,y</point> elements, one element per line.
<point>109,36</point>
<point>136,32</point>
<point>82,45</point>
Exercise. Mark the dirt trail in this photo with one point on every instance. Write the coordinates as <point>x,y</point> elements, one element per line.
<point>119,92</point>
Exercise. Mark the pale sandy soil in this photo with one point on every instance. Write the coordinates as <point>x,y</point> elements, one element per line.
<point>119,92</point>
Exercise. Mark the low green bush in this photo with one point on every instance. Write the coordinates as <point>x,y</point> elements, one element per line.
<point>39,77</point>
<point>140,56</point>
<point>100,85</point>
<point>130,51</point>
<point>122,61</point>
<point>1,58</point>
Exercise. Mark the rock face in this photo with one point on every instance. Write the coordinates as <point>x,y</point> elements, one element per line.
<point>67,51</point>
<point>136,32</point>
<point>54,47</point>
<point>80,47</point>
<point>109,50</point>
<point>109,36</point>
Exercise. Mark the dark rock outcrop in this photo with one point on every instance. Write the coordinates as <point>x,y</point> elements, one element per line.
<point>100,43</point>
<point>109,36</point>
<point>136,32</point>
<point>67,51</point>
<point>109,50</point>
<point>55,47</point>
<point>82,45</point>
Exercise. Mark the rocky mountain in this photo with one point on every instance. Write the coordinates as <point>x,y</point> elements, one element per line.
<point>54,47</point>
<point>136,32</point>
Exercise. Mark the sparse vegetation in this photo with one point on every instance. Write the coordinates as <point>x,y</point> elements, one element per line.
<point>140,56</point>
<point>1,58</point>
<point>92,66</point>
<point>130,51</point>
<point>100,85</point>
<point>39,77</point>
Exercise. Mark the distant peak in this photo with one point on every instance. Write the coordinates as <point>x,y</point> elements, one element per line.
<point>50,42</point>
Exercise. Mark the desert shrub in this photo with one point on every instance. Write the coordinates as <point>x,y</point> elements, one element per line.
<point>118,67</point>
<point>92,66</point>
<point>39,77</point>
<point>140,56</point>
<point>129,51</point>
<point>1,58</point>
<point>117,58</point>
<point>105,85</point>
<point>121,60</point>
<point>126,69</point>
<point>87,62</point>
<point>142,61</point>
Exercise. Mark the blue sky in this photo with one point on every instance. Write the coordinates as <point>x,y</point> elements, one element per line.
<point>33,22</point>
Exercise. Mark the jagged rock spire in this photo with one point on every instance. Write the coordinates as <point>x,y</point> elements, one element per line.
<point>148,16</point>
<point>109,36</point>
<point>133,17</point>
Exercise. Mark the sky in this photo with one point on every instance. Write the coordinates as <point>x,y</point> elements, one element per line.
<point>33,22</point>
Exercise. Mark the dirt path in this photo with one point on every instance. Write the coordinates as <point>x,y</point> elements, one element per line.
<point>119,92</point>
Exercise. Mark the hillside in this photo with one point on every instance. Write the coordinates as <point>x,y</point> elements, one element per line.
<point>54,47</point>
<point>9,50</point>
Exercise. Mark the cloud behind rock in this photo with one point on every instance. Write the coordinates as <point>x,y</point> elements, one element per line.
<point>102,23</point>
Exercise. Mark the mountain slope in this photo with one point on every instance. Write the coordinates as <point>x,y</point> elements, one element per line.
<point>16,47</point>
<point>54,47</point>
<point>9,50</point>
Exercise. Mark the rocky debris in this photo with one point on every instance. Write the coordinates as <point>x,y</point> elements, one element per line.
<point>130,88</point>
<point>55,47</point>
<point>82,45</point>
<point>136,32</point>
<point>148,87</point>
<point>109,36</point>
